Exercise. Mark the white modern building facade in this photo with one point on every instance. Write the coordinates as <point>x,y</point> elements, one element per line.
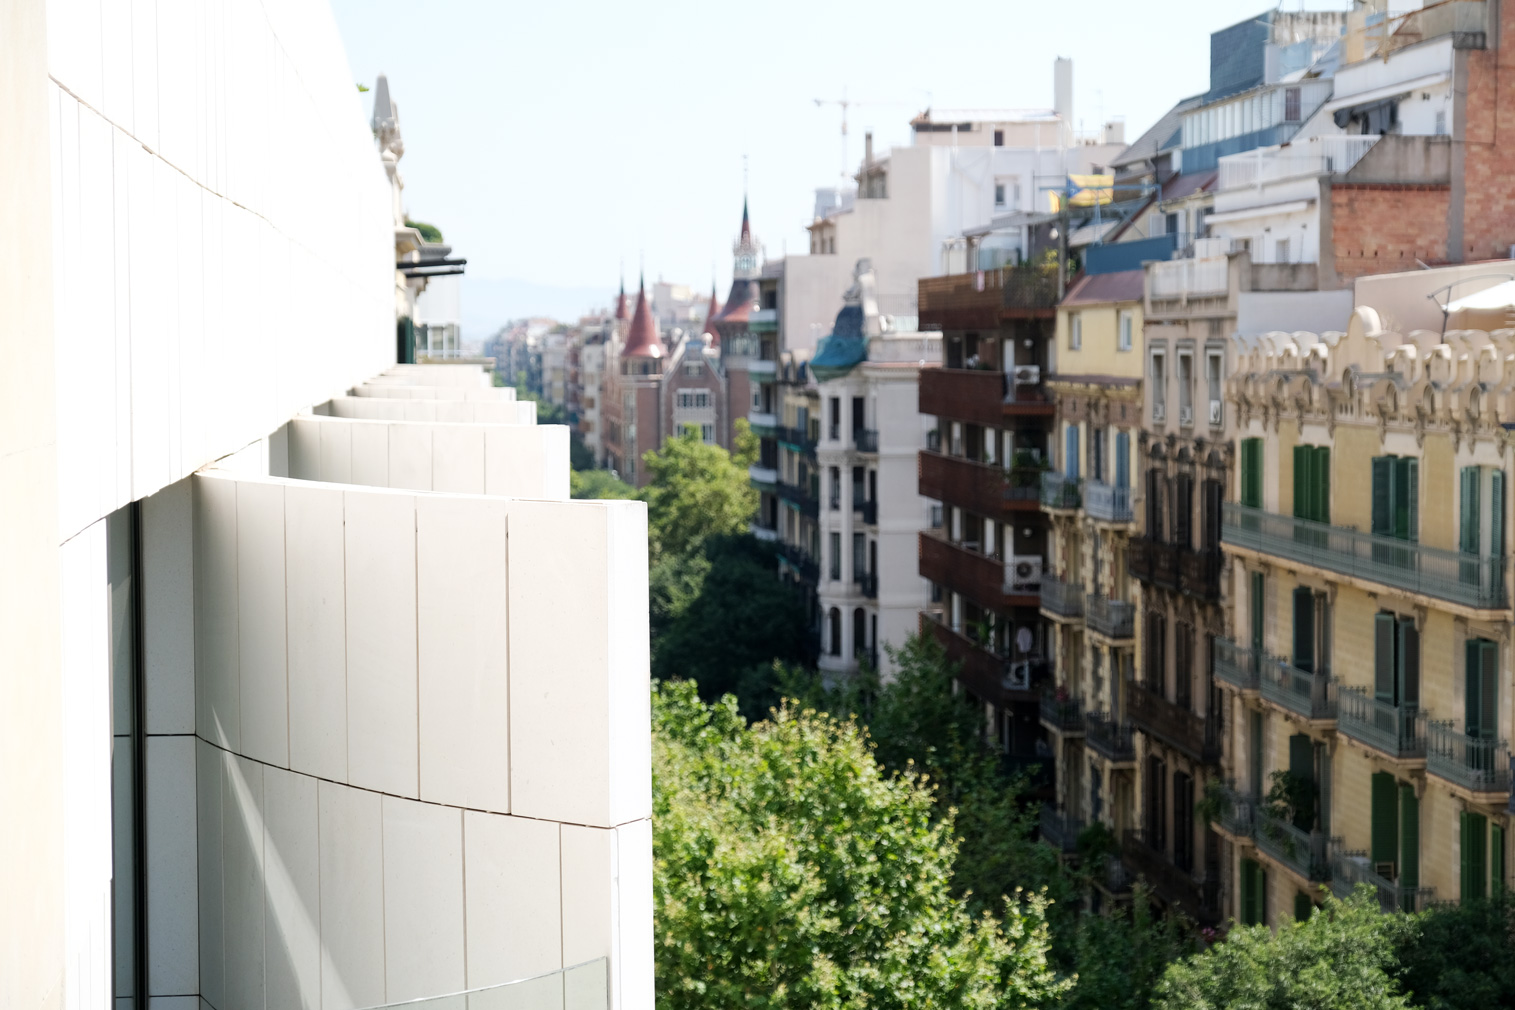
<point>318,690</point>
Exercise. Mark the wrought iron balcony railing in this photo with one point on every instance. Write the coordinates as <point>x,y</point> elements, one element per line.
<point>1478,765</point>
<point>1393,729</point>
<point>1237,665</point>
<point>1238,812</point>
<point>1107,502</point>
<point>1350,868</point>
<point>1066,715</point>
<point>1060,830</point>
<point>1111,618</point>
<point>1309,695</point>
<point>1466,579</point>
<point>865,439</point>
<point>1065,599</point>
<point>1304,852</point>
<point>1197,736</point>
<point>1109,737</point>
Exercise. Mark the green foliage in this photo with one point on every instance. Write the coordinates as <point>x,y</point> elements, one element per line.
<point>1342,958</point>
<point>1291,798</point>
<point>697,491</point>
<point>1120,957</point>
<point>1461,957</point>
<point>791,870</point>
<point>726,632</point>
<point>598,484</point>
<point>1214,804</point>
<point>429,232</point>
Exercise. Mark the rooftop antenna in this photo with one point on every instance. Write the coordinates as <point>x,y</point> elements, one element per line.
<point>845,103</point>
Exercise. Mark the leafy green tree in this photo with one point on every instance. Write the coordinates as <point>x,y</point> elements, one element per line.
<point>791,870</point>
<point>1461,957</point>
<point>1342,958</point>
<point>1119,957</point>
<point>697,491</point>
<point>741,620</point>
<point>598,484</point>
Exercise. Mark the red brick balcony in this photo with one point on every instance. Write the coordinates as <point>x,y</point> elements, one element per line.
<point>979,487</point>
<point>980,578</point>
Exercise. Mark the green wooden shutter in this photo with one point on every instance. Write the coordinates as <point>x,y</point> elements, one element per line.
<point>1251,892</point>
<point>1384,832</point>
<point>1383,478</point>
<point>1411,477</point>
<point>1472,684</point>
<point>1251,472</point>
<point>1320,484</point>
<point>1475,871</point>
<point>1496,859</point>
<point>1383,657</point>
<point>1303,467</point>
<point>1257,610</point>
<point>1255,731</point>
<point>1400,499</point>
<point>1408,661</point>
<point>1481,689</point>
<point>1304,628</point>
<point>1303,906</point>
<point>1302,765</point>
<point>1468,510</point>
<point>1496,514</point>
<point>1122,459</point>
<point>1409,837</point>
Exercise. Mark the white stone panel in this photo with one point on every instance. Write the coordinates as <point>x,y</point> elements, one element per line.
<point>261,621</point>
<point>381,641</point>
<point>292,857</point>
<point>589,895</point>
<point>304,448</point>
<point>457,459</point>
<point>514,898</point>
<point>462,584</point>
<point>527,461</point>
<point>216,655</point>
<point>242,848</point>
<point>409,456</point>
<point>168,608</point>
<point>634,915</point>
<point>316,615</point>
<point>172,893</point>
<point>352,898</point>
<point>337,452</point>
<point>423,899</point>
<point>209,782</point>
<point>370,454</point>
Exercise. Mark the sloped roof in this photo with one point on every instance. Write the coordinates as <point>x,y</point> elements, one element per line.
<point>1102,289</point>
<point>1159,135</point>
<point>620,302</point>
<point>642,337</point>
<point>710,317</point>
<point>1188,184</point>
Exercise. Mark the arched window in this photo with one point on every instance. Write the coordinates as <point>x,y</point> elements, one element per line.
<point>834,626</point>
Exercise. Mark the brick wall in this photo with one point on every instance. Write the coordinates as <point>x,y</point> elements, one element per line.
<point>1489,211</point>
<point>1378,229</point>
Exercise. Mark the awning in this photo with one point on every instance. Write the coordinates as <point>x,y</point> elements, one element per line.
<point>1500,296</point>
<point>1289,207</point>
<point>1388,91</point>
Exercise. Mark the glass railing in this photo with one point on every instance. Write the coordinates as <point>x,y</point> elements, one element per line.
<point>1403,564</point>
<point>585,985</point>
<point>1059,491</point>
<point>1478,765</point>
<point>1395,730</point>
<point>1311,695</point>
<point>1107,502</point>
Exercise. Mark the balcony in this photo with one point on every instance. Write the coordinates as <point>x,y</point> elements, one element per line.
<point>764,533</point>
<point>802,499</point>
<point>1060,830</point>
<point>1170,566</point>
<point>1237,665</point>
<point>983,298</point>
<point>766,476</point>
<point>1195,735</point>
<point>982,488</point>
<point>980,396</point>
<point>1238,813</point>
<point>800,562</point>
<point>1464,579</point>
<point>1115,619</point>
<point>1326,155</point>
<point>797,440</point>
<point>1063,715</point>
<point>1390,729</point>
<point>1110,738</point>
<point>1181,280</point>
<point>1479,766</point>
<point>1062,599</point>
<point>1199,574</point>
<point>1107,503</point>
<point>979,670</point>
<point>1304,852</point>
<point>1311,696</point>
<point>1153,561</point>
<point>1116,879</point>
<point>865,440</point>
<point>867,511</point>
<point>867,584</point>
<point>763,423</point>
<point>1350,868</point>
<point>1174,886</point>
<point>975,575</point>
<point>1060,493</point>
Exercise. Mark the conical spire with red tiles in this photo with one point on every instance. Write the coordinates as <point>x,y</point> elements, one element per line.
<point>620,302</point>
<point>642,336</point>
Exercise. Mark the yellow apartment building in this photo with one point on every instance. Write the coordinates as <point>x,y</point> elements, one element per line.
<point>1368,655</point>
<point>1087,594</point>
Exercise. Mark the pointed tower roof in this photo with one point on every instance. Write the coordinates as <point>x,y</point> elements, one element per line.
<point>642,336</point>
<point>710,316</point>
<point>620,302</point>
<point>746,225</point>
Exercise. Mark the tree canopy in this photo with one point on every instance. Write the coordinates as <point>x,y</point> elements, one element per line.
<point>791,870</point>
<point>697,491</point>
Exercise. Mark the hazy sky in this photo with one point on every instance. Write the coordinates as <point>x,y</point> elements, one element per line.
<point>550,141</point>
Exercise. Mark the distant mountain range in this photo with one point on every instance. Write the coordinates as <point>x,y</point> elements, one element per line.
<point>490,302</point>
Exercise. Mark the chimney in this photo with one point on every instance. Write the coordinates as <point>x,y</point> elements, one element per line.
<point>1062,90</point>
<point>868,148</point>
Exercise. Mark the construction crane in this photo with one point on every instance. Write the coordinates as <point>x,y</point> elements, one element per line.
<point>845,103</point>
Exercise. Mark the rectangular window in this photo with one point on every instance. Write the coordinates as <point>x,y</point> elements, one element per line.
<point>1075,331</point>
<point>1281,251</point>
<point>999,138</point>
<point>835,560</point>
<point>1396,497</point>
<point>1475,869</point>
<point>1256,599</point>
<point>1254,887</point>
<point>1156,484</point>
<point>1251,472</point>
<point>999,194</point>
<point>1183,510</point>
<point>1183,667</point>
<point>1468,504</point>
<point>1383,831</point>
<point>707,433</point>
<point>1122,459</point>
<point>1097,437</point>
<point>1481,690</point>
<point>1183,821</point>
<point>1312,483</point>
<point>1070,452</point>
<point>1213,363</point>
<point>1159,387</point>
<point>1396,660</point>
<point>1409,841</point>
<point>1127,321</point>
<point>1291,105</point>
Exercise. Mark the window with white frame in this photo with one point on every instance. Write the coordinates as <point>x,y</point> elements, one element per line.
<point>1127,322</point>
<point>707,432</point>
<point>693,369</point>
<point>999,194</point>
<point>1075,331</point>
<point>1158,390</point>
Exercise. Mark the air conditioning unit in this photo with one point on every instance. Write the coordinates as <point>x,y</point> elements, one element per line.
<point>1214,411</point>
<point>1026,573</point>
<point>1186,415</point>
<point>1028,375</point>
<point>1159,410</point>
<point>1018,676</point>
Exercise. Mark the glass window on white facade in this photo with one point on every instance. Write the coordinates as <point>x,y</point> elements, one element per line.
<point>1127,322</point>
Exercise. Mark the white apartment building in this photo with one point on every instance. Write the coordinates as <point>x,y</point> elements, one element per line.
<point>319,692</point>
<point>869,588</point>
